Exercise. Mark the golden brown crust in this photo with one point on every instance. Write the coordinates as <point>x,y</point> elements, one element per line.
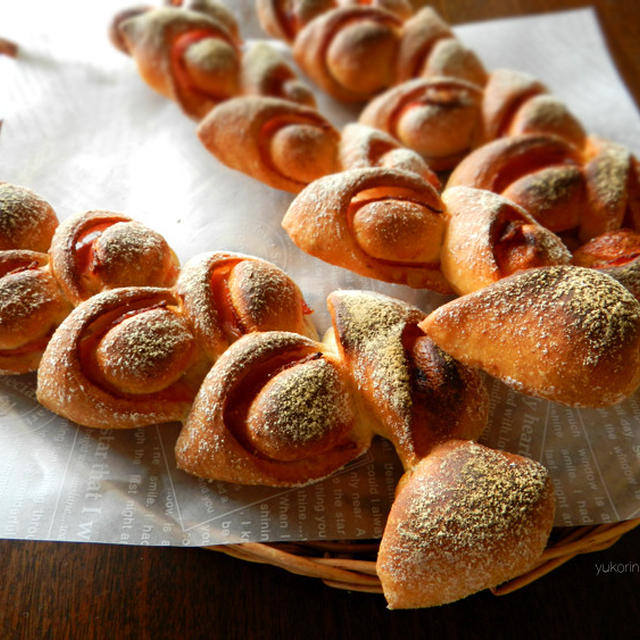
<point>124,358</point>
<point>488,237</point>
<point>565,333</point>
<point>100,250</point>
<point>466,518</point>
<point>506,90</point>
<point>278,142</point>
<point>587,191</point>
<point>363,146</point>
<point>26,220</point>
<point>350,51</point>
<point>265,73</point>
<point>275,409</point>
<point>546,114</point>
<point>31,307</point>
<point>418,394</point>
<point>186,56</point>
<point>323,221</point>
<point>284,18</point>
<point>437,117</point>
<point>226,295</point>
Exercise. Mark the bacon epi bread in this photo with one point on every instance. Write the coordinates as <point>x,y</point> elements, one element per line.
<point>257,421</point>
<point>393,226</point>
<point>89,252</point>
<point>193,54</point>
<point>354,51</point>
<point>136,356</point>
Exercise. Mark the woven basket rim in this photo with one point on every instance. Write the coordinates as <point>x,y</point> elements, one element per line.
<point>350,564</point>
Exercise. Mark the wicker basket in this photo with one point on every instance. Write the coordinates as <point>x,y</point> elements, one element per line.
<point>352,566</point>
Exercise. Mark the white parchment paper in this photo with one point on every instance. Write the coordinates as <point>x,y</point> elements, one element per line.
<point>81,129</point>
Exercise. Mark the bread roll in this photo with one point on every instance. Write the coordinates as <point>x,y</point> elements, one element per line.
<point>564,333</point>
<point>440,118</point>
<point>350,52</point>
<point>31,307</point>
<point>278,142</point>
<point>362,146</point>
<point>122,359</point>
<point>275,409</point>
<point>381,223</point>
<point>488,238</point>
<point>26,220</point>
<point>584,191</point>
<point>226,295</point>
<point>417,394</point>
<point>99,250</point>
<point>466,518</point>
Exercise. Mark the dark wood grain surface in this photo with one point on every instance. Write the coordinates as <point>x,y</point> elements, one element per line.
<point>55,590</point>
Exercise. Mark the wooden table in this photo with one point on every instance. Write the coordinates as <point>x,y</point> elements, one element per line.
<point>55,590</point>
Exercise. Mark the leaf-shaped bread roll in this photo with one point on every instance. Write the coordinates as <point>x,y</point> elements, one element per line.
<point>466,518</point>
<point>565,333</point>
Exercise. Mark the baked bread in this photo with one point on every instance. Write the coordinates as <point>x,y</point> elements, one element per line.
<point>417,394</point>
<point>581,192</point>
<point>429,48</point>
<point>26,220</point>
<point>465,518</point>
<point>516,103</point>
<point>362,146</point>
<point>137,355</point>
<point>194,55</point>
<point>225,295</point>
<point>564,333</point>
<point>275,409</point>
<point>381,223</point>
<point>31,307</point>
<point>283,144</point>
<point>99,250</point>
<point>488,238</point>
<point>440,118</point>
<point>122,359</point>
<point>354,51</point>
<point>444,115</point>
